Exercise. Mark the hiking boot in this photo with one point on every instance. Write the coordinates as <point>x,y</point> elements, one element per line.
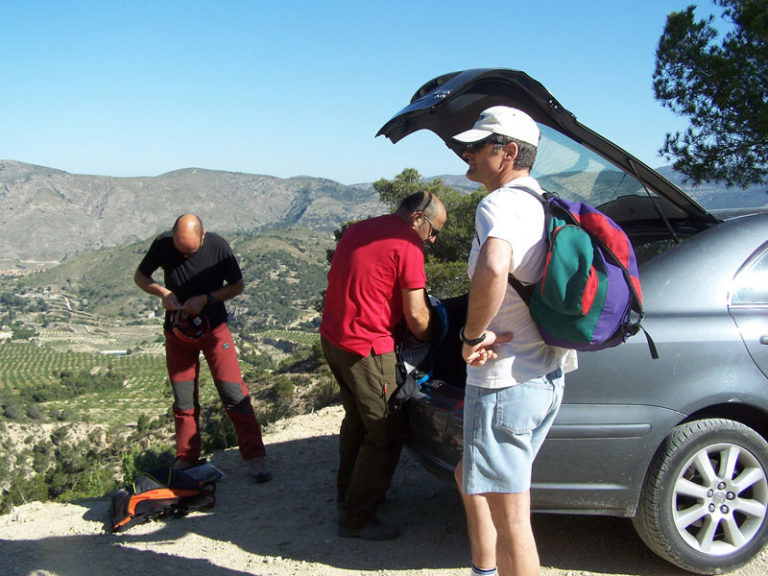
<point>375,530</point>
<point>257,468</point>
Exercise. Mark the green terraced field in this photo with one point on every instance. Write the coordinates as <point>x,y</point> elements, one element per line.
<point>77,347</point>
<point>296,336</point>
<point>23,364</point>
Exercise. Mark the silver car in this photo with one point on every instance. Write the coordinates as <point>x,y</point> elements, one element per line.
<point>676,443</point>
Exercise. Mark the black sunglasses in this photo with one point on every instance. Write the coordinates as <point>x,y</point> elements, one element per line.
<point>480,144</point>
<point>477,146</point>
<point>433,232</point>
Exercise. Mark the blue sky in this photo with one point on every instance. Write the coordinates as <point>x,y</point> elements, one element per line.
<point>288,87</point>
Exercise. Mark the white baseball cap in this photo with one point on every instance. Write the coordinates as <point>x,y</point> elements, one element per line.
<point>505,121</point>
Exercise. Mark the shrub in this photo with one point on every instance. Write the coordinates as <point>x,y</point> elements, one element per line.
<point>284,389</point>
<point>217,430</point>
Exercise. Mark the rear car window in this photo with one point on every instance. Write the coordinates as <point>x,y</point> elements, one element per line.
<point>575,172</point>
<point>751,285</point>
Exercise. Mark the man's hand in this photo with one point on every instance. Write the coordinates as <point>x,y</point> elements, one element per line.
<point>193,306</point>
<point>170,302</point>
<point>480,354</point>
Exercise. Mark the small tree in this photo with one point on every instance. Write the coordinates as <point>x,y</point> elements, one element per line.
<point>391,192</point>
<point>722,86</point>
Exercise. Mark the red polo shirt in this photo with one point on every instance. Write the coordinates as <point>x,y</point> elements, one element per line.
<point>374,260</point>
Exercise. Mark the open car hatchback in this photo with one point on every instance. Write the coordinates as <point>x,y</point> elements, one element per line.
<point>678,444</point>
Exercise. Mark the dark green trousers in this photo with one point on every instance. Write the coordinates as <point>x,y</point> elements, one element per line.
<point>371,436</point>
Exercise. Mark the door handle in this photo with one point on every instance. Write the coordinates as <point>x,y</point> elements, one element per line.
<point>764,339</point>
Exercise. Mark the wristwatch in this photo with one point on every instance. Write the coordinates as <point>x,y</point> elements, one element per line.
<point>211,301</point>
<point>471,341</point>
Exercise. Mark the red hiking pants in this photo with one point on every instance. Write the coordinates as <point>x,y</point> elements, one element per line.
<point>183,361</point>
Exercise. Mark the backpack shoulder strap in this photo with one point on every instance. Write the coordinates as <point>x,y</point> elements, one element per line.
<point>526,290</point>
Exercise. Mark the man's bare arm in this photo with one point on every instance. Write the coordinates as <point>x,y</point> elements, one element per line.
<point>148,284</point>
<point>416,312</point>
<point>486,294</point>
<point>488,286</point>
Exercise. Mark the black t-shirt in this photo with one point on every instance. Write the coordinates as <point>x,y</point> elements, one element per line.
<point>204,271</point>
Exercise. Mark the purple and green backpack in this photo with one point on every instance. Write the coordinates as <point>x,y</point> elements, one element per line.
<point>589,296</point>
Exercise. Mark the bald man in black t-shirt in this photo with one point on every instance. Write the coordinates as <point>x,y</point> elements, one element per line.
<point>200,274</point>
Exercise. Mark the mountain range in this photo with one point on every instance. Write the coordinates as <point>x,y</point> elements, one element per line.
<point>48,216</point>
<point>51,215</point>
<point>718,196</point>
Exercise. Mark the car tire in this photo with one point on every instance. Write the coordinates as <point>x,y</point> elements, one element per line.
<point>704,504</point>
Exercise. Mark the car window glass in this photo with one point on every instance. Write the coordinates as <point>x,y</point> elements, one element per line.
<point>751,286</point>
<point>575,172</point>
<point>646,250</point>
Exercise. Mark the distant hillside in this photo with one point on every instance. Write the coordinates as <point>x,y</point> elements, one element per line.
<point>284,271</point>
<point>716,196</point>
<point>51,215</point>
<point>712,196</point>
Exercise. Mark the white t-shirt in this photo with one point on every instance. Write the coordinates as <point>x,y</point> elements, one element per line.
<point>515,216</point>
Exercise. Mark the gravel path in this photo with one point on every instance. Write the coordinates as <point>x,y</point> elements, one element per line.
<point>287,527</point>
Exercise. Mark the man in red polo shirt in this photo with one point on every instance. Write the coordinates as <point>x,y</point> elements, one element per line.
<point>376,280</point>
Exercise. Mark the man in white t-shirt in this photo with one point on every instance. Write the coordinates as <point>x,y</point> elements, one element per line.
<point>514,380</point>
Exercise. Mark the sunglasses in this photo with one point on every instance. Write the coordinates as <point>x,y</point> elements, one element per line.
<point>480,144</point>
<point>433,232</point>
<point>477,146</point>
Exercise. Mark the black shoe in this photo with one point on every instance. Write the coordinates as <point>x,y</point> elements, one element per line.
<point>257,468</point>
<point>374,530</point>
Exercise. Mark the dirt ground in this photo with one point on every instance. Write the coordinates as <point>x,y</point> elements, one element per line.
<point>287,527</point>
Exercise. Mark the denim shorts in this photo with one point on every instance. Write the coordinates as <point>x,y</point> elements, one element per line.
<point>503,431</point>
